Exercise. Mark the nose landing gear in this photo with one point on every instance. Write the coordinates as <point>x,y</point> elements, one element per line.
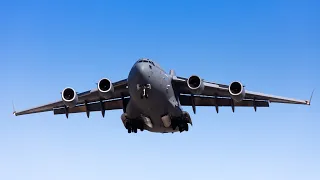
<point>143,88</point>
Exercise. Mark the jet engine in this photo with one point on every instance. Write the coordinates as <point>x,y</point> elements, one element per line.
<point>237,92</point>
<point>69,97</point>
<point>195,84</point>
<point>105,88</point>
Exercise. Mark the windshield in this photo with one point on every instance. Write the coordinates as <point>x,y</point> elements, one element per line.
<point>145,60</point>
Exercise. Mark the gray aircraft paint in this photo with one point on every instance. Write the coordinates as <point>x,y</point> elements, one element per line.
<point>162,103</point>
<point>161,100</point>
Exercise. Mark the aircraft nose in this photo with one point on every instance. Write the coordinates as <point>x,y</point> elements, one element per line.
<point>142,70</point>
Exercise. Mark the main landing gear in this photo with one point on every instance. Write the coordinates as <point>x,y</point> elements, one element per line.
<point>143,88</point>
<point>183,126</point>
<point>182,122</point>
<point>133,127</point>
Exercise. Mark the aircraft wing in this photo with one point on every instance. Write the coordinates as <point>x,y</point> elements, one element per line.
<point>215,94</point>
<point>87,101</point>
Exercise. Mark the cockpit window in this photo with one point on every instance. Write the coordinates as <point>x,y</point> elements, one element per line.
<point>142,61</point>
<point>146,60</point>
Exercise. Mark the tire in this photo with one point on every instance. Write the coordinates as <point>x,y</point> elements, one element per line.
<point>186,127</point>
<point>127,125</point>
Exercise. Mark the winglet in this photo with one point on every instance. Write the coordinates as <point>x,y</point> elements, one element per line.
<point>309,102</point>
<point>14,109</point>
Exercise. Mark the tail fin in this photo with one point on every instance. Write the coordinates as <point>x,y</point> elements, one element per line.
<point>172,72</point>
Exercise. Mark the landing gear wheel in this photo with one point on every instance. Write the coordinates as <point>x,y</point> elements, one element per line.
<point>180,129</point>
<point>183,127</point>
<point>174,127</point>
<point>127,125</point>
<point>186,127</point>
<point>129,130</point>
<point>187,117</point>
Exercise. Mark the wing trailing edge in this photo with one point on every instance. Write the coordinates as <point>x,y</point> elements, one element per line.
<point>101,106</point>
<point>188,100</point>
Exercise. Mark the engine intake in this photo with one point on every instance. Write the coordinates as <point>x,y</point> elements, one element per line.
<point>195,84</point>
<point>105,88</point>
<point>69,97</point>
<point>237,91</point>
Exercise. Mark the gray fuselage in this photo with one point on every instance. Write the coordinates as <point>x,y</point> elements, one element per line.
<point>161,99</point>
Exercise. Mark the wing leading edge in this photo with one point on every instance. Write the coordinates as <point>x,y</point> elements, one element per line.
<point>90,98</point>
<point>214,94</point>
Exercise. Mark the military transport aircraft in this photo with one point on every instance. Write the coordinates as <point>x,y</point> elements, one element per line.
<point>152,99</point>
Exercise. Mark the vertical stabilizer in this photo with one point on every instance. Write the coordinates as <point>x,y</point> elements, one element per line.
<point>172,72</point>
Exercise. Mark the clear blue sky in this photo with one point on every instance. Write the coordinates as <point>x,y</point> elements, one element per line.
<point>270,46</point>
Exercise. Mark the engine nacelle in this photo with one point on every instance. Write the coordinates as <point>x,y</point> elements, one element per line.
<point>195,84</point>
<point>105,88</point>
<point>237,91</point>
<point>69,97</point>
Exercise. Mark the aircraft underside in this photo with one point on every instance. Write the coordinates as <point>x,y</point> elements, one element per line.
<point>164,124</point>
<point>146,111</point>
